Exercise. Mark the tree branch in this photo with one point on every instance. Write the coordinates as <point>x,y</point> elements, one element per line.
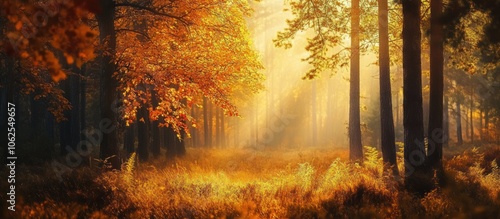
<point>152,11</point>
<point>135,31</point>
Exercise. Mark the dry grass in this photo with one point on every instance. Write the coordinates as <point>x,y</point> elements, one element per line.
<point>313,183</point>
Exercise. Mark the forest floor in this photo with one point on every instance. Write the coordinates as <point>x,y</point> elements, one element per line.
<point>245,183</point>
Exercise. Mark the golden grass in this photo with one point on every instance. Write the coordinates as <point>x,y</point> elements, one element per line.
<point>236,183</point>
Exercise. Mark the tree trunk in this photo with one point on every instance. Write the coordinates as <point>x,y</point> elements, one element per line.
<point>222,129</point>
<point>129,141</point>
<point>487,125</point>
<point>355,146</point>
<point>143,133</point>
<point>108,124</point>
<point>481,127</point>
<point>169,141</point>
<point>83,101</point>
<point>414,147</point>
<point>467,134</point>
<point>446,122</point>
<point>314,116</point>
<point>471,120</point>
<point>210,124</point>
<point>205,122</point>
<point>459,124</point>
<point>194,131</point>
<point>435,131</point>
<point>65,126</point>
<point>180,146</point>
<point>75,110</point>
<point>386,117</point>
<point>217,127</point>
<point>156,144</point>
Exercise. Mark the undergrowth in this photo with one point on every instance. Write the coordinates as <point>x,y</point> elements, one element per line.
<point>315,183</point>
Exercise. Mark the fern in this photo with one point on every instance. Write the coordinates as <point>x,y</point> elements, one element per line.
<point>129,168</point>
<point>373,162</point>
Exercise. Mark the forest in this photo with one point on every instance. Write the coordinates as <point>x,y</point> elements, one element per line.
<point>250,109</point>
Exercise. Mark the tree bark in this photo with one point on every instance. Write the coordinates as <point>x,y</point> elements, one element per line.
<point>194,131</point>
<point>458,119</point>
<point>414,147</point>
<point>217,127</point>
<point>109,122</point>
<point>206,123</point>
<point>314,119</point>
<point>446,122</point>
<point>143,133</point>
<point>435,131</point>
<point>355,146</point>
<point>481,127</point>
<point>386,117</point>
<point>65,126</point>
<point>471,119</point>
<point>156,144</point>
<point>75,101</point>
<point>487,125</point>
<point>222,129</point>
<point>129,141</point>
<point>210,124</point>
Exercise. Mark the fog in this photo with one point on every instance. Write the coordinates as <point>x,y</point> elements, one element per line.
<point>292,112</point>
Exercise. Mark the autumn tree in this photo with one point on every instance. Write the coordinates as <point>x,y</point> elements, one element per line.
<point>223,61</point>
<point>388,143</point>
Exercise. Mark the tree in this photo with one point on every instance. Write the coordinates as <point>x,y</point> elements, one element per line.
<point>435,130</point>
<point>414,146</point>
<point>224,62</point>
<point>109,96</point>
<point>386,116</point>
<point>355,146</point>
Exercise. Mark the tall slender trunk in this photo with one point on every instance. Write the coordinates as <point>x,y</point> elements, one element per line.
<point>143,130</point>
<point>398,120</point>
<point>205,122</point>
<point>435,132</point>
<point>355,146</point>
<point>471,118</point>
<point>65,126</point>
<point>217,127</point>
<point>143,127</point>
<point>458,119</point>
<point>414,147</point>
<point>222,128</point>
<point>75,110</point>
<point>466,117</point>
<point>194,131</point>
<point>155,144</point>
<point>446,122</point>
<point>129,141</point>
<point>83,100</point>
<point>314,116</point>
<point>181,145</point>
<point>171,141</point>
<point>236,132</point>
<point>481,127</point>
<point>487,125</point>
<point>108,126</point>
<point>386,117</point>
<point>210,124</point>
